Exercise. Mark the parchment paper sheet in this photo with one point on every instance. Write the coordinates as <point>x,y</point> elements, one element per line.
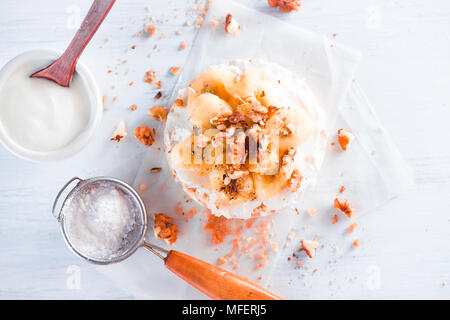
<point>377,170</point>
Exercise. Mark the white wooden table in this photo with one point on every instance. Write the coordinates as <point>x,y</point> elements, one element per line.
<point>405,72</point>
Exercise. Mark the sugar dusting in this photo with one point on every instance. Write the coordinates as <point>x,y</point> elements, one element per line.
<point>99,219</point>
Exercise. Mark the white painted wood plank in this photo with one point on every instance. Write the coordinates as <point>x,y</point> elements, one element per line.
<point>405,73</point>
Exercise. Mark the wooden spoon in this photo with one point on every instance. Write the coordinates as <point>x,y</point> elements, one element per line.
<point>62,69</point>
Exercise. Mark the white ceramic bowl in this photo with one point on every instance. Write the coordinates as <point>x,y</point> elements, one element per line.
<point>95,105</point>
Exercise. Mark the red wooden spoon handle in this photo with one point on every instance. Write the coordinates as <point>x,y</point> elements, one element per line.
<point>214,281</point>
<point>62,69</point>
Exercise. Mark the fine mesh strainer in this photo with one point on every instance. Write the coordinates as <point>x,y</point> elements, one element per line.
<point>211,280</point>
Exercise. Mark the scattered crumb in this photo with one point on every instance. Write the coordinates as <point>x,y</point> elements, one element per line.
<point>312,211</point>
<point>164,228</point>
<point>183,45</point>
<point>178,103</point>
<point>285,5</point>
<point>352,227</point>
<point>144,135</point>
<point>155,170</point>
<point>214,23</point>
<point>120,132</point>
<point>344,206</point>
<point>175,70</point>
<point>334,219</point>
<point>143,186</point>
<point>356,243</point>
<point>158,95</point>
<point>158,113</point>
<point>344,138</point>
<point>133,107</point>
<point>342,189</point>
<point>231,25</point>
<point>310,247</point>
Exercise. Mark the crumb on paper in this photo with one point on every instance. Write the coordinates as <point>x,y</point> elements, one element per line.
<point>312,211</point>
<point>155,170</point>
<point>143,186</point>
<point>219,227</point>
<point>158,113</point>
<point>178,103</point>
<point>344,206</point>
<point>150,76</point>
<point>175,70</point>
<point>342,189</point>
<point>345,137</point>
<point>334,219</point>
<point>356,243</point>
<point>164,228</point>
<point>145,135</point>
<point>158,95</point>
<point>133,107</point>
<point>310,247</point>
<point>120,132</point>
<point>285,5</point>
<point>214,23</point>
<point>352,227</point>
<point>231,25</point>
<point>183,45</point>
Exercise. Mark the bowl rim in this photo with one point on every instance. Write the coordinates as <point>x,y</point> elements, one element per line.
<point>79,142</point>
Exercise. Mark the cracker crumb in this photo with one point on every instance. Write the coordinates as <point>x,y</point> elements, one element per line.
<point>155,170</point>
<point>344,138</point>
<point>145,135</point>
<point>183,45</point>
<point>352,227</point>
<point>344,206</point>
<point>310,247</point>
<point>285,5</point>
<point>164,228</point>
<point>158,113</point>
<point>133,107</point>
<point>120,132</point>
<point>178,103</point>
<point>312,211</point>
<point>143,186</point>
<point>342,189</point>
<point>175,70</point>
<point>356,243</point>
<point>334,219</point>
<point>231,25</point>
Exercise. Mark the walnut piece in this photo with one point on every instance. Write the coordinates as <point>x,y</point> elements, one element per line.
<point>285,5</point>
<point>164,228</point>
<point>344,206</point>
<point>344,138</point>
<point>120,132</point>
<point>158,113</point>
<point>145,135</point>
<point>310,247</point>
<point>231,25</point>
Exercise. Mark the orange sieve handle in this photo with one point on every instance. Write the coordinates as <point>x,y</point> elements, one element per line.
<point>214,281</point>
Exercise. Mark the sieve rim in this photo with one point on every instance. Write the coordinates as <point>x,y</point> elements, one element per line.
<point>140,239</point>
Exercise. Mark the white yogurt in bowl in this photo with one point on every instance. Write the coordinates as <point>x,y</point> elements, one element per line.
<point>40,120</point>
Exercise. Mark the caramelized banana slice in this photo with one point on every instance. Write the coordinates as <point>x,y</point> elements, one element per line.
<point>187,156</point>
<point>268,186</point>
<point>213,80</point>
<point>205,107</point>
<point>231,191</point>
<point>292,126</point>
<point>255,84</point>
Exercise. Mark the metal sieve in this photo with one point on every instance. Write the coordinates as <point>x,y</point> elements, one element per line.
<point>135,239</point>
<point>211,280</point>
